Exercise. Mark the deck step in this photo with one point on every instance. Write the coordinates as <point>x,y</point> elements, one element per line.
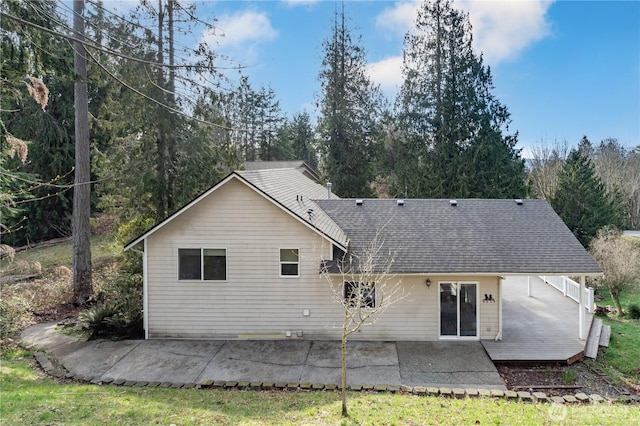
<point>605,336</point>
<point>593,341</point>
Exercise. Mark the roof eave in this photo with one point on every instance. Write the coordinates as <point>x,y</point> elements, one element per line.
<point>206,193</point>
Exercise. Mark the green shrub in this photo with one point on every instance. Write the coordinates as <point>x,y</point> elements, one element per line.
<point>120,315</point>
<point>634,311</point>
<point>568,377</point>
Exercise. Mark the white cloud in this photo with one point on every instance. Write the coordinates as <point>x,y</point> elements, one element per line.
<point>244,27</point>
<point>399,18</point>
<point>387,74</point>
<point>294,3</point>
<point>239,36</point>
<point>501,29</point>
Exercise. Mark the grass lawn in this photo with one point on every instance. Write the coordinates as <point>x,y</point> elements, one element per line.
<point>621,359</point>
<point>30,398</point>
<point>103,248</point>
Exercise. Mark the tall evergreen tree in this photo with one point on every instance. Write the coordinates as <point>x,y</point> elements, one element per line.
<point>303,139</point>
<point>349,110</point>
<point>582,200</point>
<point>452,142</point>
<point>48,133</point>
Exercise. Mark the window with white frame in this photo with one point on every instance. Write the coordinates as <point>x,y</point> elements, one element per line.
<point>289,262</point>
<point>360,294</point>
<point>205,264</point>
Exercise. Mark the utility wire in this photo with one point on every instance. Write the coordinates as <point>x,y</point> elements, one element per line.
<point>103,48</point>
<point>157,102</point>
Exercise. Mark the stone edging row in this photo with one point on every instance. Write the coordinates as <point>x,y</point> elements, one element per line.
<point>522,396</point>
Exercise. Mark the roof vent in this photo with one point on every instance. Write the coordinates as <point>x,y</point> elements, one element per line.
<point>453,202</point>
<point>518,201</point>
<point>359,202</point>
<point>400,202</point>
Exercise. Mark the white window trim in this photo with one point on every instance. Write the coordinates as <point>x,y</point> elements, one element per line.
<point>446,337</point>
<point>280,263</point>
<point>202,249</point>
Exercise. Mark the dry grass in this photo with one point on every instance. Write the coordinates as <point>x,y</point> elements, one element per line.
<point>46,294</point>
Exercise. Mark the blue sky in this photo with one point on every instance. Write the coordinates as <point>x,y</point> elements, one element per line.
<point>563,68</point>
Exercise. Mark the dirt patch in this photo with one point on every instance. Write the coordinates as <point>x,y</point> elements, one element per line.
<point>558,380</point>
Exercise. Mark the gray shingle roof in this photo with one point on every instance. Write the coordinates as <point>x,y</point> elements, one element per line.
<point>299,165</point>
<point>293,190</point>
<point>476,236</point>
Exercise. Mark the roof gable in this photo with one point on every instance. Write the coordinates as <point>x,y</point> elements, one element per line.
<point>288,189</point>
<point>476,236</point>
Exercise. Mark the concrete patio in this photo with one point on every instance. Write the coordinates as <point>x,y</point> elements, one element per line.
<point>542,327</point>
<point>463,365</point>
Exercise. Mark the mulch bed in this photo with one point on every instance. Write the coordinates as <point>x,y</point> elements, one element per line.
<point>558,380</point>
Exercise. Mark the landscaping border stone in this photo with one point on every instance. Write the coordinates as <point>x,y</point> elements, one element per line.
<point>51,369</point>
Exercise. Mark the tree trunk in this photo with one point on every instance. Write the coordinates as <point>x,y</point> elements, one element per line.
<point>345,413</point>
<point>161,142</point>
<point>615,295</point>
<point>81,226</point>
<point>171,97</point>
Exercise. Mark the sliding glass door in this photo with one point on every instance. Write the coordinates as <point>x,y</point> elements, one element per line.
<point>458,309</point>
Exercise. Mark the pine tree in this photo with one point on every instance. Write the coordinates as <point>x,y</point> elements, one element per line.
<point>452,142</point>
<point>303,139</point>
<point>581,199</point>
<point>349,108</point>
<point>47,132</point>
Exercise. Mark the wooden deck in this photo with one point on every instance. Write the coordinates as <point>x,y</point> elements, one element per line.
<point>540,328</point>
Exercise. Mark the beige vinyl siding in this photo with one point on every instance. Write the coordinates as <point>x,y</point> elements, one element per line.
<point>489,312</point>
<point>255,301</point>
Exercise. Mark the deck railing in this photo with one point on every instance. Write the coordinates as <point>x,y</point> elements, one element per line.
<point>571,289</point>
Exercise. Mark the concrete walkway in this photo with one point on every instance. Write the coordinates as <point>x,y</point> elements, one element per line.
<point>463,365</point>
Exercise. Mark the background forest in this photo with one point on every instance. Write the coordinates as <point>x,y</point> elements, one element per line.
<point>166,122</point>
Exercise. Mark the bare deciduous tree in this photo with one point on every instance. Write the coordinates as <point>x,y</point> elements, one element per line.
<point>365,286</point>
<point>545,165</point>
<point>619,258</point>
<point>619,170</point>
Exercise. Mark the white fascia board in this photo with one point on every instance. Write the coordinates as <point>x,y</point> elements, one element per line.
<point>289,212</point>
<point>486,274</point>
<point>178,213</point>
<point>205,194</point>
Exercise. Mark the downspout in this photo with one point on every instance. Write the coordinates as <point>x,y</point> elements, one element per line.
<point>145,293</point>
<point>499,335</point>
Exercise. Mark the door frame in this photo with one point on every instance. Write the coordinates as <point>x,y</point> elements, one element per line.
<point>439,302</point>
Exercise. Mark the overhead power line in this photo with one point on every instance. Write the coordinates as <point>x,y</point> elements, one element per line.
<point>105,49</point>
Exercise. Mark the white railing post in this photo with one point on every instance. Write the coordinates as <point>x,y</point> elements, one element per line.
<point>564,286</point>
<point>581,328</point>
<point>590,300</point>
<point>529,292</point>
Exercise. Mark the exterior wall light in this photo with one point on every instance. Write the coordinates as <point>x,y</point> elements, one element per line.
<point>428,283</point>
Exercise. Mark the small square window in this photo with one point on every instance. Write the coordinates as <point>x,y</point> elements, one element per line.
<point>360,294</point>
<point>289,262</point>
